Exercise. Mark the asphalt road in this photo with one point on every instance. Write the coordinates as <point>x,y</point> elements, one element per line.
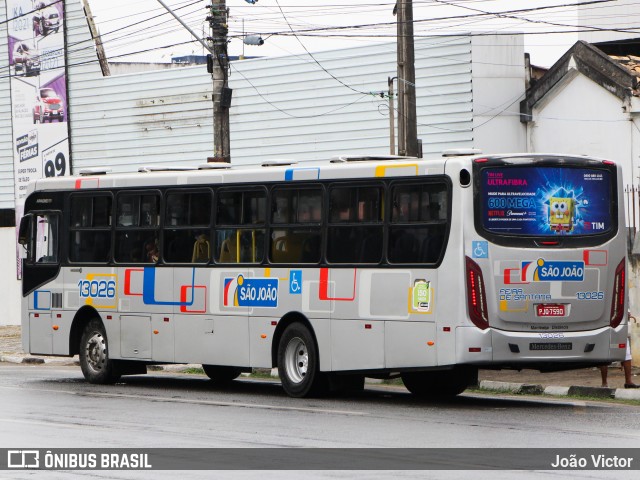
<point>52,407</point>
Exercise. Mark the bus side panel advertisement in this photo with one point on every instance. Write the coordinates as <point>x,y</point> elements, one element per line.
<point>546,200</point>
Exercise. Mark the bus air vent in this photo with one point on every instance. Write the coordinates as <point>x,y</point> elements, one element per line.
<point>367,158</point>
<point>164,168</point>
<point>214,166</point>
<point>461,152</point>
<point>85,172</point>
<point>278,163</point>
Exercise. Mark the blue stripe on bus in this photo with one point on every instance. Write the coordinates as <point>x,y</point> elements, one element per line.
<point>288,174</point>
<point>149,289</point>
<point>35,300</point>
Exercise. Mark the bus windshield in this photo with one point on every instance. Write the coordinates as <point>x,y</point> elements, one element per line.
<point>546,201</point>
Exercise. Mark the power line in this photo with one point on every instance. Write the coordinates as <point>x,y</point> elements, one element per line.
<point>314,58</point>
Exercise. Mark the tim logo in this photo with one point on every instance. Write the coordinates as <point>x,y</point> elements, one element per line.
<point>23,459</point>
<point>594,225</point>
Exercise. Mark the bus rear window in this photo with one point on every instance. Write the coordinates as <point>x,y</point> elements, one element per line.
<point>546,201</point>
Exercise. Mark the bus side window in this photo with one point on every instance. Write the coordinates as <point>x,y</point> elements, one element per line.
<point>296,215</point>
<point>418,223</point>
<point>240,230</point>
<point>355,224</point>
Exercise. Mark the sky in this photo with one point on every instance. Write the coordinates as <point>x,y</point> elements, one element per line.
<point>292,27</point>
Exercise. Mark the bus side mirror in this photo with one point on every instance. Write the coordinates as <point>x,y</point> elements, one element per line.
<point>23,232</point>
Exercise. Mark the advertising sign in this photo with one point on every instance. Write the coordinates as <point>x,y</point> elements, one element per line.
<point>546,200</point>
<point>38,92</point>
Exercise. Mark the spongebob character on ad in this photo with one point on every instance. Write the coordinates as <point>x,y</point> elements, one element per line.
<point>561,214</point>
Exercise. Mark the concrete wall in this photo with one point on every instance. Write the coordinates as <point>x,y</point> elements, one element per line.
<point>10,288</point>
<point>580,116</point>
<point>621,15</point>
<point>498,82</point>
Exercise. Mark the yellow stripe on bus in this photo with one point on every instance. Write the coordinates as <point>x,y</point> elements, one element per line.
<point>412,168</point>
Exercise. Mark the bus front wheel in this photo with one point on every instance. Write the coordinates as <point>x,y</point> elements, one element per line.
<point>221,374</point>
<point>95,363</point>
<point>299,363</point>
<point>441,383</point>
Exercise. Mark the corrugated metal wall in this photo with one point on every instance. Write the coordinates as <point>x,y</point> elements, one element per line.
<point>285,107</point>
<point>129,120</point>
<point>289,106</point>
<point>6,144</point>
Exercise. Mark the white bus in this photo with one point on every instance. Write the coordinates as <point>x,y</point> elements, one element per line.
<point>331,271</point>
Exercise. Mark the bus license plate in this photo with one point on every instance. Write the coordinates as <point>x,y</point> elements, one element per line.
<point>551,310</point>
<point>551,346</point>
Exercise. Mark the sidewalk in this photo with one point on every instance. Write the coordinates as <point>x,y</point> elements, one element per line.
<point>585,382</point>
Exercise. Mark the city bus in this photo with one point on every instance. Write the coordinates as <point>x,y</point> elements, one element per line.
<point>358,266</point>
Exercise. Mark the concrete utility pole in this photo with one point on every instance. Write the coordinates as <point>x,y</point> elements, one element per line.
<point>407,119</point>
<point>221,91</point>
<point>102,57</point>
<point>219,63</point>
<point>392,119</point>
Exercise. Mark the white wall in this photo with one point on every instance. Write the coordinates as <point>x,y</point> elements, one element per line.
<point>498,88</point>
<point>581,117</point>
<point>10,288</point>
<point>621,14</point>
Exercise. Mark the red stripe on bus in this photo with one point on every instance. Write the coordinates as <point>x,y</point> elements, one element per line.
<point>127,281</point>
<point>324,287</point>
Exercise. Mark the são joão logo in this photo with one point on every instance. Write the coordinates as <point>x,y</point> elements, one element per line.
<point>250,292</point>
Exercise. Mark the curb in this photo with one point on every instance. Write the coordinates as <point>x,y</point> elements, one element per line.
<point>529,389</point>
<point>38,360</point>
<point>518,388</point>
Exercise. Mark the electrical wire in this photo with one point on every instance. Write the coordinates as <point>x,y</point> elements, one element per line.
<point>315,59</point>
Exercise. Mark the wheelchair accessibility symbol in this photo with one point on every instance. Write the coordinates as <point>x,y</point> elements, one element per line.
<point>480,249</point>
<point>295,282</point>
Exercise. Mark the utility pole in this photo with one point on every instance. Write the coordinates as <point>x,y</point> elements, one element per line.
<point>407,118</point>
<point>220,71</point>
<point>218,66</point>
<point>102,57</point>
<point>392,119</point>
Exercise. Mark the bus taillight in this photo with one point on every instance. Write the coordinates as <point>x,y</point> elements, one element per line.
<point>476,297</point>
<point>617,303</point>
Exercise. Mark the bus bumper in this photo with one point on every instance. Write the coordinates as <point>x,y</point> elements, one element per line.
<point>527,349</point>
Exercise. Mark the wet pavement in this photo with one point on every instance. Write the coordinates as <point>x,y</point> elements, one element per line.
<point>587,380</point>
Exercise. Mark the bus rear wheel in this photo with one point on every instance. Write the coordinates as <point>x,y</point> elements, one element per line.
<point>221,374</point>
<point>441,383</point>
<point>299,363</point>
<point>95,363</point>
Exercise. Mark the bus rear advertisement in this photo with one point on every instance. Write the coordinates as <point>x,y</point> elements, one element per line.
<point>427,269</point>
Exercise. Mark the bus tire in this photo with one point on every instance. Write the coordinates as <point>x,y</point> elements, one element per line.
<point>299,363</point>
<point>95,363</point>
<point>221,374</point>
<point>441,383</point>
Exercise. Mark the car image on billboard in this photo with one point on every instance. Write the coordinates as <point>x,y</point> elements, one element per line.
<point>48,107</point>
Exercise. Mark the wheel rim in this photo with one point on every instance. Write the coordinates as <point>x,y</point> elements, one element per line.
<point>296,358</point>
<point>96,352</point>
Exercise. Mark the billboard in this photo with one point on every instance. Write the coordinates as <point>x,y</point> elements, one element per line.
<point>38,90</point>
<point>38,93</point>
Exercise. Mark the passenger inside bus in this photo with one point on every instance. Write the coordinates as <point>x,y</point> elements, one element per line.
<point>151,247</point>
